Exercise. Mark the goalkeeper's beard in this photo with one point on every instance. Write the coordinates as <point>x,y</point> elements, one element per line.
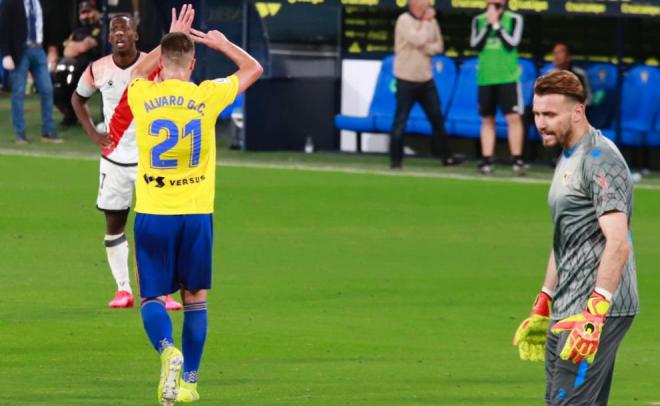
<point>559,136</point>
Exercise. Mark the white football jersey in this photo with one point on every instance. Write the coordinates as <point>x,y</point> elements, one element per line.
<point>112,81</point>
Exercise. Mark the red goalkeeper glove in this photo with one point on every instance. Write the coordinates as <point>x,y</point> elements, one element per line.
<point>531,335</point>
<point>585,330</point>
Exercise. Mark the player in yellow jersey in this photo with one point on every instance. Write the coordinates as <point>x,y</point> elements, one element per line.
<point>175,134</point>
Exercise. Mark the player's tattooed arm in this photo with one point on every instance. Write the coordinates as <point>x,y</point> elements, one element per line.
<point>181,23</point>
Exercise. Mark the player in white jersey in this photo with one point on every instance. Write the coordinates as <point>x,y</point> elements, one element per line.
<point>118,167</point>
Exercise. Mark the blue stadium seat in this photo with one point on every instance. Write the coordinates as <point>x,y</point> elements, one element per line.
<point>546,68</point>
<point>639,104</point>
<point>238,103</point>
<point>463,118</point>
<point>382,102</point>
<point>603,78</point>
<point>653,137</point>
<point>528,75</point>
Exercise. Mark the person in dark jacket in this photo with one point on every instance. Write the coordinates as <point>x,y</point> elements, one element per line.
<point>21,44</point>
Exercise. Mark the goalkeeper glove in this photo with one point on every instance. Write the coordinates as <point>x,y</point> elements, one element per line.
<point>531,335</point>
<point>585,330</point>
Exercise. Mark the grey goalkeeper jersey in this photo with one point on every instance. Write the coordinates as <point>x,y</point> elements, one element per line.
<point>590,180</point>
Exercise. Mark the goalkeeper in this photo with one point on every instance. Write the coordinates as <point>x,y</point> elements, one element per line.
<point>589,296</point>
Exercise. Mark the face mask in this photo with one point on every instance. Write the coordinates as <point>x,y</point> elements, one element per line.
<point>89,20</point>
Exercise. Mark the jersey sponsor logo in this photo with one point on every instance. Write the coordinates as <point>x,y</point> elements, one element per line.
<point>187,181</point>
<point>158,180</point>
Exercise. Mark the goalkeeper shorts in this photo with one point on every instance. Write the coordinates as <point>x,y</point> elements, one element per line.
<point>570,384</point>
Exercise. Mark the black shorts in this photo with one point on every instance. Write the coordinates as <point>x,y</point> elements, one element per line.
<point>507,96</point>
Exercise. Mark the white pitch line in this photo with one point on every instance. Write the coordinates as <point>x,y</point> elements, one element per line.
<point>381,172</point>
<point>322,168</point>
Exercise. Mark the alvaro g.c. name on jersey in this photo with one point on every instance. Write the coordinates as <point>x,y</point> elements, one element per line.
<point>590,180</point>
<point>175,134</point>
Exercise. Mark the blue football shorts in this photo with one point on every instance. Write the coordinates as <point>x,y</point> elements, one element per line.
<point>173,252</point>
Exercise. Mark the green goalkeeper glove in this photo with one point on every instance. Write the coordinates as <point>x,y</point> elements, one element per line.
<point>532,332</point>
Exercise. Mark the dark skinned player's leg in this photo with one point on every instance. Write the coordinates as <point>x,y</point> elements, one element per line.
<point>117,250</point>
<point>115,221</point>
<point>115,224</point>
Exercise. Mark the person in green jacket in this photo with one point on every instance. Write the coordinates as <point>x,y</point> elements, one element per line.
<point>496,33</point>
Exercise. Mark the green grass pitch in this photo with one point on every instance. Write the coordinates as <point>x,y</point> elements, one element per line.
<point>330,289</point>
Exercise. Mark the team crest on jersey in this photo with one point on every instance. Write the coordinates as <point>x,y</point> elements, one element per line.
<point>566,179</point>
<point>110,83</point>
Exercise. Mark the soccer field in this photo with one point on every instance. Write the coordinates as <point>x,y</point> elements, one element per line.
<point>330,289</point>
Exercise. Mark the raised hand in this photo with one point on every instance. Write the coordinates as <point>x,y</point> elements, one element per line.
<point>183,22</point>
<point>8,63</point>
<point>212,39</point>
<point>492,15</point>
<point>429,14</point>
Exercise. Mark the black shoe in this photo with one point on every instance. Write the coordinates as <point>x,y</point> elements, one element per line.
<point>451,161</point>
<point>396,166</point>
<point>486,167</point>
<point>52,138</point>
<point>519,167</point>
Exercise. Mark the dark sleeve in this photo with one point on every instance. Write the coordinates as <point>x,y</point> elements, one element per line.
<point>5,27</point>
<point>608,181</point>
<point>512,39</point>
<point>60,20</point>
<point>96,33</point>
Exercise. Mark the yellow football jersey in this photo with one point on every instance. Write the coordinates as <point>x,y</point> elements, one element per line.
<point>175,136</point>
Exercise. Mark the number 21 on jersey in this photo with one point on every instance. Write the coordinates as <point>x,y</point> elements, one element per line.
<point>192,131</point>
